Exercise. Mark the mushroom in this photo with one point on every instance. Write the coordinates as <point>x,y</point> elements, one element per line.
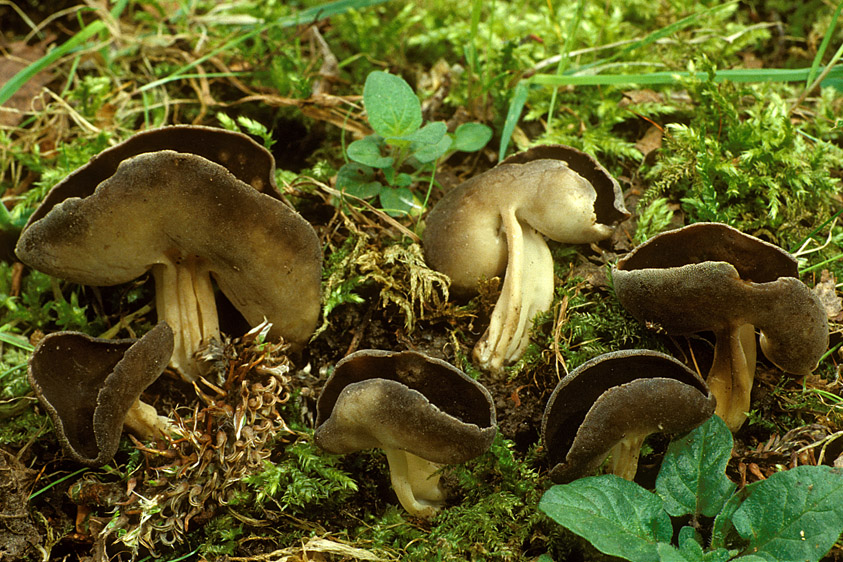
<point>90,387</point>
<point>710,276</point>
<point>187,220</point>
<point>611,403</point>
<point>495,222</point>
<point>421,411</point>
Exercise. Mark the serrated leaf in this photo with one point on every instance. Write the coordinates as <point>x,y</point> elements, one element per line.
<point>793,515</point>
<point>471,137</point>
<point>692,479</point>
<point>367,151</point>
<point>618,517</point>
<point>393,108</point>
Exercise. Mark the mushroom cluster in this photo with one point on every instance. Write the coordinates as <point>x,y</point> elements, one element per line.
<point>712,277</point>
<point>196,207</point>
<point>422,412</point>
<point>495,223</point>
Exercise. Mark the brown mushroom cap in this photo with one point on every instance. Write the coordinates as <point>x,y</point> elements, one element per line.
<point>496,222</point>
<point>187,219</point>
<point>88,386</point>
<point>615,396</point>
<point>404,400</point>
<point>421,411</point>
<point>710,276</point>
<point>239,154</point>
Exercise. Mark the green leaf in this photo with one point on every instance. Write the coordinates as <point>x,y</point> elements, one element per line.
<point>618,517</point>
<point>471,137</point>
<point>358,180</point>
<point>398,201</point>
<point>793,515</point>
<point>692,479</point>
<point>393,108</point>
<point>430,152</point>
<point>367,151</point>
<point>431,133</point>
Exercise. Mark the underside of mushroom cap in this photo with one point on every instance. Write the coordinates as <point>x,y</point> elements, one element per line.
<point>247,160</point>
<point>615,396</point>
<point>88,385</point>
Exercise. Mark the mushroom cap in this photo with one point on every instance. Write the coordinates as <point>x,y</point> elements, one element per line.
<point>710,276</point>
<point>612,396</point>
<point>164,207</point>
<point>87,385</point>
<point>239,154</point>
<point>404,400</point>
<point>559,191</point>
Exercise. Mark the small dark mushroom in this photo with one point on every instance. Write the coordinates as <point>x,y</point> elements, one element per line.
<point>496,222</point>
<point>188,220</point>
<point>90,387</point>
<point>611,403</point>
<point>422,412</point>
<point>712,277</point>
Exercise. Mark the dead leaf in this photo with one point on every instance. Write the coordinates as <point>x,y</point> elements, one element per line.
<point>652,140</point>
<point>827,292</point>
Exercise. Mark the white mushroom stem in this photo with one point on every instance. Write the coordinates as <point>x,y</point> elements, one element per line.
<point>732,373</point>
<point>416,482</point>
<point>527,290</point>
<point>625,453</point>
<point>184,298</point>
<point>145,423</point>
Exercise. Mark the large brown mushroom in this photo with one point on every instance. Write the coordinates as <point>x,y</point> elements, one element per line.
<point>189,221</point>
<point>496,222</point>
<point>610,404</point>
<point>421,411</point>
<point>91,388</point>
<point>712,277</point>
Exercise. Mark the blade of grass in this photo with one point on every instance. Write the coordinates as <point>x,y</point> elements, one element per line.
<point>823,46</point>
<point>651,78</point>
<point>16,341</point>
<point>820,264</point>
<point>519,98</point>
<point>565,60</point>
<point>57,482</point>
<point>8,89</point>
<point>655,36</point>
<point>311,14</point>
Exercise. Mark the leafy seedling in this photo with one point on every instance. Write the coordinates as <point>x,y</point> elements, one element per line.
<point>402,152</point>
<point>794,515</point>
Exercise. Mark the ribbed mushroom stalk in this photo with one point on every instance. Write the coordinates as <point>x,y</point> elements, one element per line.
<point>496,223</point>
<point>423,412</point>
<point>91,387</point>
<point>189,221</point>
<point>711,277</point>
<point>611,404</point>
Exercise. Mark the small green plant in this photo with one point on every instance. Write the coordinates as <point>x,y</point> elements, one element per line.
<point>401,152</point>
<point>794,515</point>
